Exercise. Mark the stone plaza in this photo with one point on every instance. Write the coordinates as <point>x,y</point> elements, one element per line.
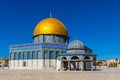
<point>35,74</point>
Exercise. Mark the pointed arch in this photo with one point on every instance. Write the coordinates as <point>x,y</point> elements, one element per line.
<point>75,57</point>
<point>64,58</point>
<point>86,57</point>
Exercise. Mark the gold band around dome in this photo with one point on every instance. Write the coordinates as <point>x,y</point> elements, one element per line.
<point>50,26</point>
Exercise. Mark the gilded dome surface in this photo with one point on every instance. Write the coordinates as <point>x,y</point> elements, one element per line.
<point>50,26</point>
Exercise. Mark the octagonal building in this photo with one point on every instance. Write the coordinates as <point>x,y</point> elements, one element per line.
<point>50,50</point>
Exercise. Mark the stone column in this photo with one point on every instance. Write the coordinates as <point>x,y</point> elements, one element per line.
<point>61,65</point>
<point>68,65</point>
<point>81,65</point>
<point>91,65</point>
<point>95,64</point>
<point>49,59</point>
<point>76,65</point>
<point>43,61</point>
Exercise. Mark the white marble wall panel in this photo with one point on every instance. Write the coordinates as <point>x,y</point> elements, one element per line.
<point>16,64</point>
<point>46,63</point>
<point>58,65</point>
<point>30,64</point>
<point>40,64</point>
<point>53,63</point>
<point>35,64</point>
<point>12,64</point>
<point>20,64</point>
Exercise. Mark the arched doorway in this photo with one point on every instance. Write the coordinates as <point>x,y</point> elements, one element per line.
<point>75,58</point>
<point>64,58</point>
<point>64,63</point>
<point>74,65</point>
<point>87,63</point>
<point>86,57</point>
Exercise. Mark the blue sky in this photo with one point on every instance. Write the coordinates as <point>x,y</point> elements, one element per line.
<point>94,22</point>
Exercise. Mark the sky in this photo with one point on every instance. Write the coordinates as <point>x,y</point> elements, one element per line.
<point>96,23</point>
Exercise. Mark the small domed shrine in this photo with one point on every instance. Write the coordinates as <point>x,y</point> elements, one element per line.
<point>78,57</point>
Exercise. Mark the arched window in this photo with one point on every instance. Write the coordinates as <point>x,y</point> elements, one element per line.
<point>57,54</point>
<point>12,55</point>
<point>38,53</point>
<point>24,55</point>
<point>46,55</point>
<point>29,55</point>
<point>34,56</point>
<point>51,56</point>
<point>19,55</point>
<point>75,57</point>
<point>16,55</point>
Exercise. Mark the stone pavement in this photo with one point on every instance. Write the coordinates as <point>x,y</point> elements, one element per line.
<point>103,74</point>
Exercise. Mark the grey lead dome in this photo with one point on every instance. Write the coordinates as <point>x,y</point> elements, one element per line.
<point>75,44</point>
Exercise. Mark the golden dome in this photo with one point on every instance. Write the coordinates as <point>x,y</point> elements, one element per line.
<point>50,26</point>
